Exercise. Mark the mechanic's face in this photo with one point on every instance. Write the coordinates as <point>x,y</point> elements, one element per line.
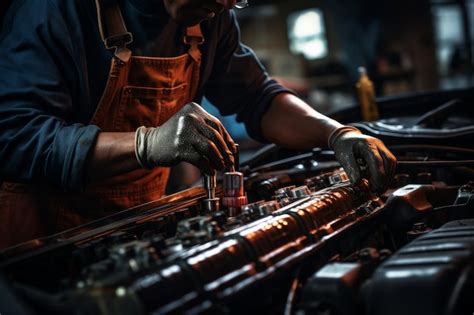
<point>191,12</point>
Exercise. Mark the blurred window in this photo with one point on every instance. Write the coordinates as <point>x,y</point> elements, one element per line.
<point>307,34</point>
<point>454,46</point>
<point>448,32</point>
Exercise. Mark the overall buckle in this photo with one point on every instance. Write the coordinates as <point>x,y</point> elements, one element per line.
<point>189,40</point>
<point>120,42</point>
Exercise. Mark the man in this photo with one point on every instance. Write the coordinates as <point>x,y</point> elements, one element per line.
<point>95,103</point>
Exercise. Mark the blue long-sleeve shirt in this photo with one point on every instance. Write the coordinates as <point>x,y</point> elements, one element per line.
<point>54,67</point>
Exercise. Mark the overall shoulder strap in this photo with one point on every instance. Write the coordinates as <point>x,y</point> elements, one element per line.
<point>112,28</point>
<point>194,38</point>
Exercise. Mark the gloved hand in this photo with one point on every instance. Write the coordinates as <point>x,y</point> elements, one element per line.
<point>356,151</point>
<point>191,135</point>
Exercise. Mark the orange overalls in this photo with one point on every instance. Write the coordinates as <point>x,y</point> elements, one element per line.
<point>140,91</point>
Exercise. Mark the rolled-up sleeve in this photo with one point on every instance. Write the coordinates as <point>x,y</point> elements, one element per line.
<point>38,141</point>
<point>239,83</point>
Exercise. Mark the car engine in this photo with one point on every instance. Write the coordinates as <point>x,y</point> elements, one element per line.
<point>286,233</point>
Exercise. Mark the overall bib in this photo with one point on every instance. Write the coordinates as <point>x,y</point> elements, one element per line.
<point>140,91</point>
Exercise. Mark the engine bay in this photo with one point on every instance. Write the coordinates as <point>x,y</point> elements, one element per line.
<point>287,233</point>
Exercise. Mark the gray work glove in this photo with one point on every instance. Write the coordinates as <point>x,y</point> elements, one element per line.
<point>359,153</point>
<point>191,135</point>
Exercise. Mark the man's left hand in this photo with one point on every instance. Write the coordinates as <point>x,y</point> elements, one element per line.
<point>356,151</point>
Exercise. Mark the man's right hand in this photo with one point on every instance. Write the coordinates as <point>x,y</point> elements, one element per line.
<point>191,135</point>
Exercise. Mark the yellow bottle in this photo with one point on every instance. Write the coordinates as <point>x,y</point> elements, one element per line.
<point>366,93</point>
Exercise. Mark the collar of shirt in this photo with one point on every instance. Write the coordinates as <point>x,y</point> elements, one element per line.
<point>154,31</point>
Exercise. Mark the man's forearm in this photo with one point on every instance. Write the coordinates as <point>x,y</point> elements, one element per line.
<point>291,123</point>
<point>113,154</point>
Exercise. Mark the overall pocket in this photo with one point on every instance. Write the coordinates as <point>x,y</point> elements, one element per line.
<point>149,107</point>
